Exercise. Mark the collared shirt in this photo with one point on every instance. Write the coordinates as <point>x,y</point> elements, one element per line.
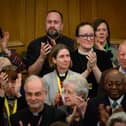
<point>84,53</point>
<point>118,100</point>
<point>122,70</point>
<point>111,102</point>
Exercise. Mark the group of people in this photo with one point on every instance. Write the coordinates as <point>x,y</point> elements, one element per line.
<point>80,86</point>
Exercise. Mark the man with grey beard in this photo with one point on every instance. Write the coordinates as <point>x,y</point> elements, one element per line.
<point>38,50</point>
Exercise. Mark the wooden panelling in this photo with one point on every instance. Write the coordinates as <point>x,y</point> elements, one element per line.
<point>114,12</point>
<point>25,19</point>
<point>40,13</point>
<point>73,16</point>
<point>30,23</point>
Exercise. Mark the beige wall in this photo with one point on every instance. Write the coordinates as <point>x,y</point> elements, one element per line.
<point>24,19</point>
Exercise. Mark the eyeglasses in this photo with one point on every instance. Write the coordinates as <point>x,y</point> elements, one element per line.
<point>86,36</point>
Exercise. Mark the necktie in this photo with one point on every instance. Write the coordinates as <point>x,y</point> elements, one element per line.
<point>114,104</point>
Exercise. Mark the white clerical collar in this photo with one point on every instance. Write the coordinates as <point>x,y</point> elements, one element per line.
<point>84,53</point>
<point>118,100</point>
<point>35,113</point>
<point>122,70</point>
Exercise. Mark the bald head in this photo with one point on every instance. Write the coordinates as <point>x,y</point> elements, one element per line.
<point>33,78</point>
<point>122,44</point>
<point>35,93</point>
<point>122,55</point>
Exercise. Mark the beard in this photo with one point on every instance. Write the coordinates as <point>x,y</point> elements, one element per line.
<point>53,33</point>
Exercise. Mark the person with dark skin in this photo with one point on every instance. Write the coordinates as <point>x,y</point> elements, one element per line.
<point>100,108</point>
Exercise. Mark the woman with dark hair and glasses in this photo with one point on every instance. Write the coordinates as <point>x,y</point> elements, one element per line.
<point>102,39</point>
<point>86,58</point>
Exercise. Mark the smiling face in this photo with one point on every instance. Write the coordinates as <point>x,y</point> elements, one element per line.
<point>114,84</point>
<point>85,37</point>
<point>35,95</point>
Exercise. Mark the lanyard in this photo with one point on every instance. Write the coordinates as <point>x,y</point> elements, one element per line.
<point>8,109</point>
<point>59,84</point>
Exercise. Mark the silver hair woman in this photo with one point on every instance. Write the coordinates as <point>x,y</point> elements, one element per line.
<point>80,85</point>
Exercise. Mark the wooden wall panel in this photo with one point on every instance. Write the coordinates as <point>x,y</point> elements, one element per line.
<point>40,13</point>
<point>25,19</point>
<point>73,16</point>
<point>12,13</point>
<point>11,17</point>
<point>86,10</point>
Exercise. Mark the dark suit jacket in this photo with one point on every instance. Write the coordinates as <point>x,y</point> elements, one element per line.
<point>92,114</point>
<point>21,103</point>
<point>49,115</point>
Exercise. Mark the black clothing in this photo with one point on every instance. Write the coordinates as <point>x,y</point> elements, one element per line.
<point>33,51</point>
<point>69,111</point>
<point>21,103</point>
<point>92,114</point>
<point>49,115</point>
<point>79,64</point>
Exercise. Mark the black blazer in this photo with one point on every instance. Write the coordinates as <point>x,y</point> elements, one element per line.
<point>92,115</point>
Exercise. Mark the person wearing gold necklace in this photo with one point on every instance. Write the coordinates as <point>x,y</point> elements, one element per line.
<point>59,58</point>
<point>10,97</point>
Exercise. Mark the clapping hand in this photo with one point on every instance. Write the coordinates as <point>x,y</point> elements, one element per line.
<point>21,124</point>
<point>3,83</point>
<point>104,112</point>
<point>18,84</point>
<point>92,60</point>
<point>100,45</point>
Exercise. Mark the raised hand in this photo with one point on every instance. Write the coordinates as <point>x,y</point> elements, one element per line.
<point>56,99</point>
<point>21,124</point>
<point>100,45</point>
<point>92,60</point>
<point>18,84</point>
<point>104,112</point>
<point>45,49</point>
<point>3,83</point>
<point>72,116</point>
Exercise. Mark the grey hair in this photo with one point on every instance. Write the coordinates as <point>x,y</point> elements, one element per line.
<point>116,117</point>
<point>34,77</point>
<point>81,84</point>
